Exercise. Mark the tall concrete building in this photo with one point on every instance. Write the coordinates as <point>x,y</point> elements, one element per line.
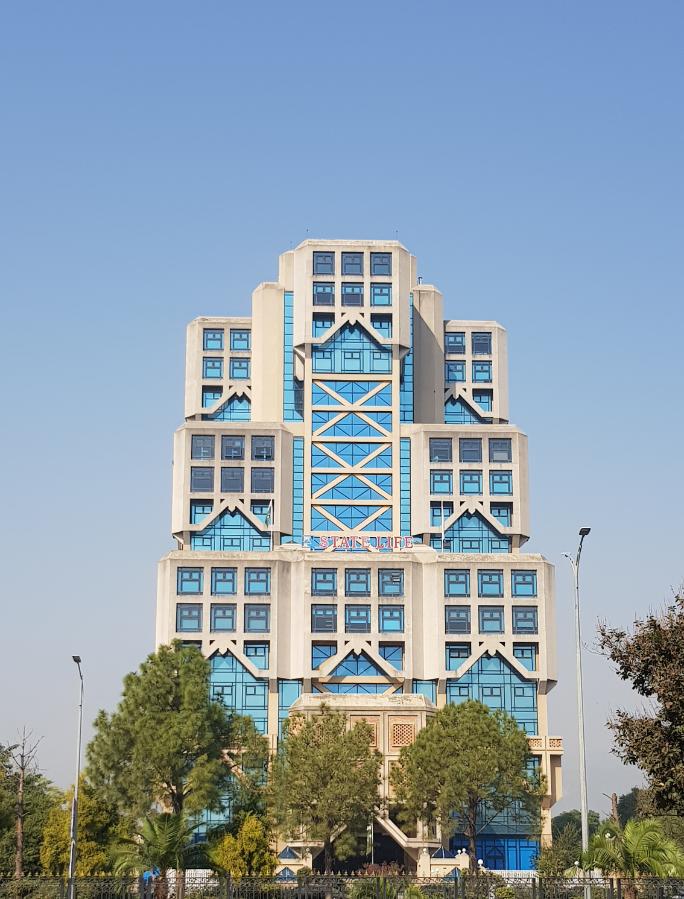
<point>350,504</point>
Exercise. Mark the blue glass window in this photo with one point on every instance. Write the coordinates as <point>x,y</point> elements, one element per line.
<point>232,447</point>
<point>381,294</point>
<point>323,619</point>
<point>240,339</point>
<point>324,263</point>
<point>393,653</point>
<point>454,342</point>
<point>211,395</point>
<point>391,619</point>
<point>352,294</point>
<point>440,511</point>
<point>471,482</point>
<point>258,581</point>
<point>523,583</point>
<point>524,620</point>
<point>321,652</point>
<point>213,339</point>
<point>257,618</point>
<point>257,653</point>
<point>239,369</point>
<point>391,581</point>
<point>457,582</point>
<point>324,581</point>
<point>202,446</point>
<point>441,482</point>
<point>223,581</point>
<point>502,512</point>
<point>490,583</point>
<point>484,399</point>
<point>262,480</point>
<point>454,372</point>
<point>263,449</point>
<point>357,619</point>
<point>501,482</point>
<point>188,616</point>
<point>482,371</point>
<point>232,480</point>
<point>261,509</point>
<point>189,580</point>
<point>526,653</point>
<point>456,654</point>
<point>470,449</point>
<point>212,367</point>
<point>357,581</point>
<point>201,479</point>
<point>382,324</point>
<point>323,294</point>
<point>199,509</point>
<point>500,449</point>
<point>321,324</point>
<point>482,343</point>
<point>427,688</point>
<point>457,619</point>
<point>352,263</point>
<point>223,616</point>
<point>381,263</point>
<point>491,619</point>
<point>440,449</point>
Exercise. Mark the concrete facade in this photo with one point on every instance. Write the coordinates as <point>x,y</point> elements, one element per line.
<point>350,504</point>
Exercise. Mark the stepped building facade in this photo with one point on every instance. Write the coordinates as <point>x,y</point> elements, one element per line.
<point>350,506</point>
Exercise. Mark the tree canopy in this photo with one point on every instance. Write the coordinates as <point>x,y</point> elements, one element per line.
<point>248,853</point>
<point>574,817</point>
<point>471,761</point>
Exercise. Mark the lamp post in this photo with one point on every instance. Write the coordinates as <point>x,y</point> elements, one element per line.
<point>575,563</point>
<point>74,804</point>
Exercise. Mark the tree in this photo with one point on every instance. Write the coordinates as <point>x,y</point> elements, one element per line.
<point>248,853</point>
<point>467,763</point>
<point>163,841</point>
<point>325,778</point>
<point>628,805</point>
<point>574,817</point>
<point>97,828</point>
<point>652,659</point>
<point>555,859</point>
<point>169,743</point>
<point>640,848</point>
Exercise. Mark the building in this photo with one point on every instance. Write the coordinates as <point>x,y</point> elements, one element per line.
<point>350,506</point>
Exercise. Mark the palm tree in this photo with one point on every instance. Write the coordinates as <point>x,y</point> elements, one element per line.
<point>164,842</point>
<point>641,848</point>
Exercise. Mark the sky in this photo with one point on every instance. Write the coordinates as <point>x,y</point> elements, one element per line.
<point>155,158</point>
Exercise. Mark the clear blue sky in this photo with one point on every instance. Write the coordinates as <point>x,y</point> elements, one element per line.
<point>156,157</point>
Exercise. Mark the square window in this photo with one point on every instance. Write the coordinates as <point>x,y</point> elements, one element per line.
<point>381,294</point>
<point>199,509</point>
<point>440,512</point>
<point>189,580</point>
<point>324,263</point>
<point>263,449</point>
<point>503,513</point>
<point>257,653</point>
<point>202,446</point>
<point>457,619</point>
<point>482,372</point>
<point>188,617</point>
<point>454,372</point>
<point>391,581</point>
<point>352,360</point>
<point>501,482</point>
<point>321,323</point>
<point>391,619</point>
<point>491,619</point>
<point>381,263</point>
<point>239,369</point>
<point>440,449</point>
<point>262,480</point>
<point>490,583</point>
<point>223,616</point>
<point>525,620</point>
<point>352,263</point>
<point>523,583</point>
<point>212,367</point>
<point>232,447</point>
<point>352,294</point>
<point>470,483</point>
<point>201,479</point>
<point>482,343</point>
<point>324,581</point>
<point>257,581</point>
<point>456,654</point>
<point>526,653</point>
<point>212,339</point>
<point>321,652</point>
<point>233,480</point>
<point>441,482</point>
<point>223,581</point>
<point>383,325</point>
<point>454,342</point>
<point>323,294</point>
<point>457,582</point>
<point>323,619</point>
<point>357,619</point>
<point>257,618</point>
<point>470,449</point>
<point>357,581</point>
<point>240,339</point>
<point>211,395</point>
<point>500,449</point>
<point>484,399</point>
<point>491,697</point>
<point>393,653</point>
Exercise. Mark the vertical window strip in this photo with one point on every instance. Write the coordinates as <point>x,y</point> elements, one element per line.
<point>406,388</point>
<point>405,495</point>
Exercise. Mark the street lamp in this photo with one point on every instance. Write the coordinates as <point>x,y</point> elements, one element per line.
<point>74,804</point>
<point>584,807</point>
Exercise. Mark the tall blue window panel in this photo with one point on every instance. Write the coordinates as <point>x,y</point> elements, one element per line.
<point>426,688</point>
<point>293,395</point>
<point>289,691</point>
<point>456,412</point>
<point>237,408</point>
<point>406,387</point>
<point>233,685</point>
<point>471,534</point>
<point>297,492</point>
<point>405,495</point>
<point>230,531</point>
